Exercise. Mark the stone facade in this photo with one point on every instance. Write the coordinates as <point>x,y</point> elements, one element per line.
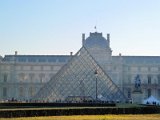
<point>22,76</point>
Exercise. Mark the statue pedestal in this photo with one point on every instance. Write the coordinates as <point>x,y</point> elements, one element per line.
<point>137,96</point>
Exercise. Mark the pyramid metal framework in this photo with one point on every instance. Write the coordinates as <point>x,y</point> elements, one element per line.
<point>78,78</point>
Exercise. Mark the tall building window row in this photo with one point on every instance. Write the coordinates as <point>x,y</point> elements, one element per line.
<point>145,79</point>
<point>38,68</point>
<point>142,69</point>
<point>41,60</point>
<point>34,77</point>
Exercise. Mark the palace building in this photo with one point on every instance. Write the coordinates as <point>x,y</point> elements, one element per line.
<point>92,72</point>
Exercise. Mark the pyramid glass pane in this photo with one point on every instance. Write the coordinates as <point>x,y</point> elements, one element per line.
<point>78,79</point>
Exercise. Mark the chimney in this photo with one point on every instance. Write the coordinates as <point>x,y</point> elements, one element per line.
<point>108,38</point>
<point>83,39</point>
<point>16,52</point>
<point>71,53</point>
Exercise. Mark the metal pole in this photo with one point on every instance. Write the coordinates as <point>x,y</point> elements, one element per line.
<point>96,88</point>
<point>96,73</point>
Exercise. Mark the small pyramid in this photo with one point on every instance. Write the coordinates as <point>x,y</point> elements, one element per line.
<point>78,78</point>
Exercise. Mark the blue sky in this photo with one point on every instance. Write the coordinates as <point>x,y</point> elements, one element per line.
<point>55,26</point>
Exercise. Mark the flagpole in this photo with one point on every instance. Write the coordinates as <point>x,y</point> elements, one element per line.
<point>95,27</point>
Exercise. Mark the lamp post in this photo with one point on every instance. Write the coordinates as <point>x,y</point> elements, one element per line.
<point>96,74</point>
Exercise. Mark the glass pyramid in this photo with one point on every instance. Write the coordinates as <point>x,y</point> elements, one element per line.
<point>81,77</point>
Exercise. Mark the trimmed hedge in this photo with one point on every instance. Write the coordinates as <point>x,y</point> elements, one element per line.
<point>76,111</point>
<point>28,105</point>
<point>8,113</point>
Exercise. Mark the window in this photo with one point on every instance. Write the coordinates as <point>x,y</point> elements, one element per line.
<point>139,69</point>
<point>31,91</point>
<point>21,92</point>
<point>149,92</point>
<point>31,68</point>
<point>31,60</point>
<point>51,75</point>
<point>115,68</point>
<point>22,77</point>
<point>52,60</point>
<point>5,78</point>
<point>41,76</point>
<point>41,68</point>
<point>158,77</point>
<point>21,67</point>
<point>129,69</point>
<point>31,76</point>
<point>129,79</point>
<point>52,68</point>
<point>129,93</point>
<point>149,79</point>
<point>61,60</point>
<point>4,92</point>
<point>42,60</point>
<point>158,92</point>
<point>22,60</point>
<point>149,69</point>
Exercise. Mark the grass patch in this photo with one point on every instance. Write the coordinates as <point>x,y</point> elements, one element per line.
<point>92,117</point>
<point>122,105</point>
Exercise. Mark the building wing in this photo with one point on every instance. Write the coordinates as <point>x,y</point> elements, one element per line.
<point>81,76</point>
